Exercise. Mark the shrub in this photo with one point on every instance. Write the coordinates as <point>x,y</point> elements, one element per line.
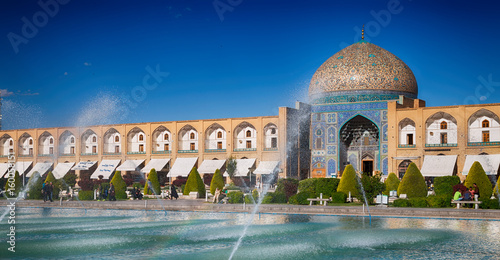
<point>496,191</point>
<point>86,183</point>
<point>301,198</point>
<point>404,203</point>
<point>274,197</point>
<point>418,202</point>
<point>348,181</point>
<point>235,197</point>
<point>308,185</point>
<point>339,197</point>
<point>391,183</point>
<point>70,179</point>
<point>86,195</point>
<point>153,181</point>
<point>490,204</point>
<point>194,183</point>
<point>179,182</point>
<point>327,186</point>
<point>120,186</point>
<point>478,176</point>
<point>255,194</point>
<point>439,201</point>
<point>50,178</point>
<point>137,185</point>
<point>287,186</point>
<point>444,185</point>
<point>413,183</point>
<point>217,182</point>
<point>35,185</point>
<point>372,187</point>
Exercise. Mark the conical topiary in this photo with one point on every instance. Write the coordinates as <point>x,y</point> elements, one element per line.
<point>496,191</point>
<point>478,176</point>
<point>120,186</point>
<point>413,183</point>
<point>13,187</point>
<point>155,184</point>
<point>217,182</point>
<point>348,181</point>
<point>194,183</point>
<point>35,185</point>
<point>50,178</point>
<point>391,183</point>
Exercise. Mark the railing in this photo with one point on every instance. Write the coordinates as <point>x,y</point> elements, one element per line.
<point>161,152</point>
<point>215,150</point>
<point>440,145</point>
<point>25,155</point>
<point>67,154</point>
<point>483,143</point>
<point>111,153</point>
<point>187,151</point>
<point>136,152</point>
<point>271,149</point>
<point>406,146</point>
<point>88,154</point>
<point>45,155</point>
<point>4,156</point>
<point>245,150</point>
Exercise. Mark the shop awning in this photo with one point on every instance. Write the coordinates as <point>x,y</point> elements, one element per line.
<point>84,165</point>
<point>22,167</point>
<point>61,169</point>
<point>489,163</point>
<point>40,167</point>
<point>242,167</point>
<point>182,167</point>
<point>4,167</point>
<point>130,165</point>
<point>157,164</point>
<point>438,165</point>
<point>267,167</point>
<point>106,168</point>
<point>210,166</point>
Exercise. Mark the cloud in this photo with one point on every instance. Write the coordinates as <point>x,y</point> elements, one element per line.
<point>87,64</point>
<point>6,93</point>
<point>66,73</point>
<point>27,93</point>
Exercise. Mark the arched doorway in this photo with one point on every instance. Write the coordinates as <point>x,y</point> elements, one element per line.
<point>402,168</point>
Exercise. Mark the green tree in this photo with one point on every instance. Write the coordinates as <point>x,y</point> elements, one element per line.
<point>444,185</point>
<point>391,183</point>
<point>120,186</point>
<point>35,185</point>
<point>194,183</point>
<point>70,179</point>
<point>155,184</point>
<point>348,182</point>
<point>372,187</point>
<point>217,182</point>
<point>231,166</point>
<point>478,176</point>
<point>497,189</point>
<point>50,178</point>
<point>413,183</point>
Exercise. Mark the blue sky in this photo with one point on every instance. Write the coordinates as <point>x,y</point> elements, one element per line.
<point>87,60</point>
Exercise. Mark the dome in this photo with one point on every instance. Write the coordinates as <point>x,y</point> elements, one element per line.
<point>362,69</point>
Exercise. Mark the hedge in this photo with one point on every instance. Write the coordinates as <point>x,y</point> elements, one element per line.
<point>478,176</point>
<point>301,198</point>
<point>153,181</point>
<point>86,195</point>
<point>288,186</point>
<point>120,186</point>
<point>217,182</point>
<point>401,203</point>
<point>327,186</point>
<point>348,182</point>
<point>391,183</point>
<point>418,202</point>
<point>439,201</point>
<point>308,185</point>
<point>490,204</point>
<point>444,185</point>
<point>339,197</point>
<point>413,183</point>
<point>274,197</point>
<point>235,197</point>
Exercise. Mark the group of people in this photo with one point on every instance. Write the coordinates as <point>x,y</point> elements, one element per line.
<point>468,195</point>
<point>172,194</point>
<point>47,190</point>
<point>136,193</point>
<point>219,195</point>
<point>107,193</point>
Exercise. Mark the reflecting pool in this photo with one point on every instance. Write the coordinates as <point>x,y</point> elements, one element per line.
<point>135,234</point>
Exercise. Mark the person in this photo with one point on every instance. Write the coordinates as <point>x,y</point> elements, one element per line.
<point>50,190</point>
<point>458,195</point>
<point>468,196</point>
<point>112,192</point>
<point>133,193</point>
<point>138,194</point>
<point>103,193</point>
<point>44,192</point>
<point>216,195</point>
<point>173,192</point>
<point>476,190</point>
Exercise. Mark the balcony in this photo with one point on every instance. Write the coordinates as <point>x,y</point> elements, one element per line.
<point>245,150</point>
<point>482,143</point>
<point>406,146</point>
<point>136,152</point>
<point>440,145</point>
<point>88,154</point>
<point>187,151</point>
<point>161,152</point>
<point>111,153</point>
<point>215,150</point>
<point>67,154</point>
<point>25,155</point>
<point>271,149</point>
<point>45,155</point>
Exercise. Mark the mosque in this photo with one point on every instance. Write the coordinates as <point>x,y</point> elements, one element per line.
<point>363,110</point>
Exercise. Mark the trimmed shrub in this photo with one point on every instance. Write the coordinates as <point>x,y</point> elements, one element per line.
<point>70,179</point>
<point>327,186</point>
<point>478,176</point>
<point>301,198</point>
<point>372,187</point>
<point>439,201</point>
<point>348,182</point>
<point>308,185</point>
<point>418,202</point>
<point>35,185</point>
<point>339,197</point>
<point>255,195</point>
<point>153,181</point>
<point>194,183</point>
<point>413,183</point>
<point>86,195</point>
<point>217,182</point>
<point>235,197</point>
<point>391,183</point>
<point>490,204</point>
<point>287,186</point>
<point>50,178</point>
<point>403,203</point>
<point>444,185</point>
<point>120,186</point>
<point>274,197</point>
<point>496,191</point>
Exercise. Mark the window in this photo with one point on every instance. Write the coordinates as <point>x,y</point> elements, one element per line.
<point>51,141</point>
<point>219,134</point>
<point>117,139</point>
<point>274,142</point>
<point>191,147</point>
<point>166,147</point>
<point>141,148</point>
<point>409,139</point>
<point>249,133</point>
<point>444,138</point>
<point>249,144</point>
<point>486,123</point>
<point>31,141</point>
<point>191,136</point>
<point>51,150</point>
<point>72,140</point>
<point>486,136</point>
<point>219,145</point>
<point>117,149</point>
<point>72,150</point>
<point>11,142</point>
<point>30,151</point>
<point>94,139</point>
<point>141,137</point>
<point>94,149</point>
<point>318,143</point>
<point>273,131</point>
<point>11,151</point>
<point>165,137</point>
<point>366,140</point>
<point>444,125</point>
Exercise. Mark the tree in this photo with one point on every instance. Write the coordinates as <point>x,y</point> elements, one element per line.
<point>194,184</point>
<point>391,183</point>
<point>478,176</point>
<point>497,189</point>
<point>231,167</point>
<point>288,186</point>
<point>120,186</point>
<point>50,178</point>
<point>348,181</point>
<point>70,179</point>
<point>35,185</point>
<point>217,182</point>
<point>372,187</point>
<point>152,185</point>
<point>413,183</point>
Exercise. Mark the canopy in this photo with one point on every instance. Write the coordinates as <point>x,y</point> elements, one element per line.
<point>130,165</point>
<point>210,166</point>
<point>106,168</point>
<point>84,165</point>
<point>242,167</point>
<point>157,164</point>
<point>61,169</point>
<point>22,167</point>
<point>182,167</point>
<point>489,163</point>
<point>267,167</point>
<point>41,168</point>
<point>438,165</point>
<point>4,167</point>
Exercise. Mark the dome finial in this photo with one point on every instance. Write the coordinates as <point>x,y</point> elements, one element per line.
<point>363,33</point>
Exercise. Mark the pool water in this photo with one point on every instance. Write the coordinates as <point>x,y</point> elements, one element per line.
<point>112,234</point>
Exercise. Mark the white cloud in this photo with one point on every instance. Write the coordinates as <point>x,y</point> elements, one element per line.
<point>87,64</point>
<point>6,93</point>
<point>66,73</point>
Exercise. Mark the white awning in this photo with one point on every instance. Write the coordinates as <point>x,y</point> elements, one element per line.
<point>22,167</point>
<point>242,167</point>
<point>210,166</point>
<point>489,163</point>
<point>84,165</point>
<point>438,165</point>
<point>157,164</point>
<point>106,168</point>
<point>130,165</point>
<point>267,167</point>
<point>61,169</point>
<point>41,168</point>
<point>4,167</point>
<point>182,167</point>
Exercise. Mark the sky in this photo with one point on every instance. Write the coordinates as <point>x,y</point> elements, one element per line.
<point>80,63</point>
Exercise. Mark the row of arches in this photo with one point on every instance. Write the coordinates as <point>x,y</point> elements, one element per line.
<point>441,129</point>
<point>245,138</point>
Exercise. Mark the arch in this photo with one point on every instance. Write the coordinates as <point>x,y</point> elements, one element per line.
<point>188,138</point>
<point>439,117</point>
<point>25,145</point>
<point>110,144</point>
<point>67,143</point>
<point>136,142</point>
<point>162,139</point>
<point>46,144</point>
<point>6,145</point>
<point>215,137</point>
<point>402,168</point>
<point>441,129</point>
<point>89,142</point>
<point>484,126</point>
<point>270,136</point>
<point>407,132</point>
<point>243,140</point>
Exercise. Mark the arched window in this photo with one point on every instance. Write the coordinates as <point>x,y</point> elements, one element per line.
<point>72,140</point>
<point>273,131</point>
<point>486,123</point>
<point>117,139</point>
<point>444,125</point>
<point>249,133</point>
<point>11,142</point>
<point>141,137</point>
<point>191,136</point>
<point>165,137</point>
<point>51,141</point>
<point>31,141</point>
<point>219,134</point>
<point>94,139</point>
